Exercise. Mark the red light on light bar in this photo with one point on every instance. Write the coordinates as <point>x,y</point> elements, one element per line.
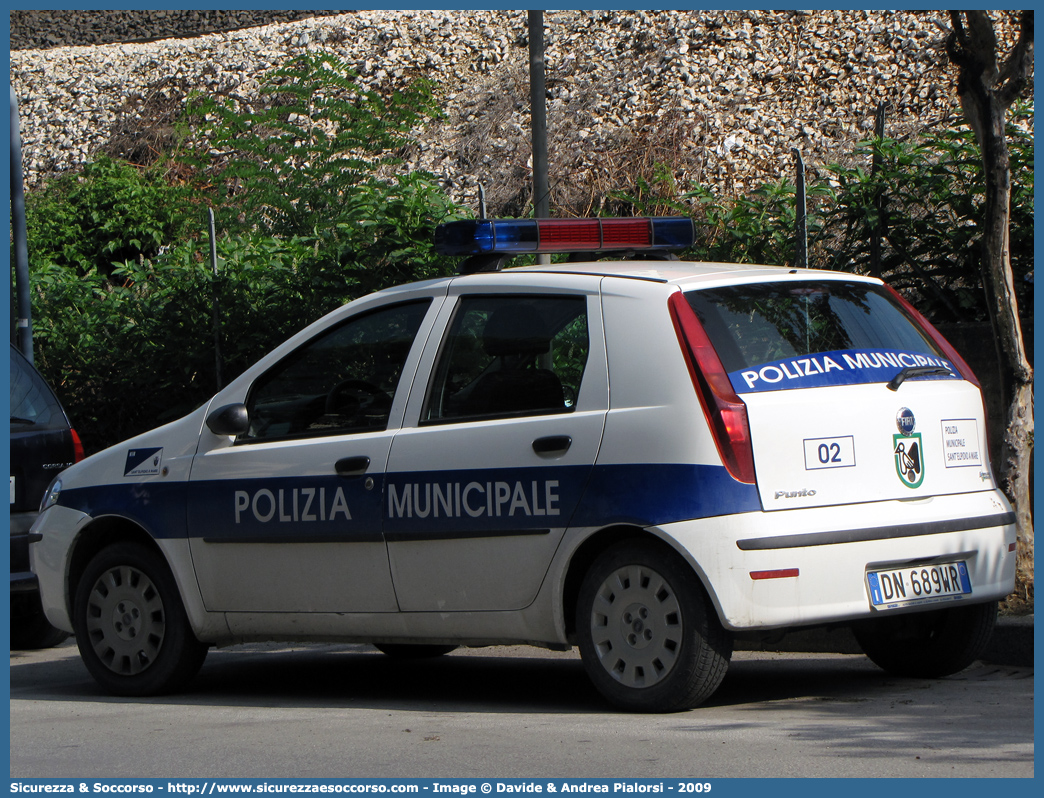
<point>783,573</point>
<point>569,234</point>
<point>578,235</point>
<point>627,232</point>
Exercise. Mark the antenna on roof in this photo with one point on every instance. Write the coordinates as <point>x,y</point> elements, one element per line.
<point>482,201</point>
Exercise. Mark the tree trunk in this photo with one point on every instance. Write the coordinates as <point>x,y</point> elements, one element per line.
<point>1018,439</point>
<point>986,91</point>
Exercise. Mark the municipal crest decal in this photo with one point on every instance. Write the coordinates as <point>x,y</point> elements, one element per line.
<point>909,459</point>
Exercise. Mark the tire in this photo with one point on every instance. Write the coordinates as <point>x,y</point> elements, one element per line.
<point>30,628</point>
<point>648,638</point>
<point>413,650</point>
<point>131,627</point>
<point>928,644</point>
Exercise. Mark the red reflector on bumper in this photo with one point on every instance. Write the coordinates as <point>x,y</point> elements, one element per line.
<point>783,573</point>
<point>1012,546</point>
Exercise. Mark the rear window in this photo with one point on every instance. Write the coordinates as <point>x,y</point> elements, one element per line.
<point>32,403</point>
<point>772,336</point>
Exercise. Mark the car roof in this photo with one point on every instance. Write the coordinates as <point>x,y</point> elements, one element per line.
<point>686,273</point>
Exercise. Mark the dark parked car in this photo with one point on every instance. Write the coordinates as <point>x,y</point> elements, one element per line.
<point>42,444</point>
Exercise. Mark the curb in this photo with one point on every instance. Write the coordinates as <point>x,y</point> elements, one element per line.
<point>1011,643</point>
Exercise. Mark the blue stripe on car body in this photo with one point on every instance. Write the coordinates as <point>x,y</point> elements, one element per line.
<point>421,505</point>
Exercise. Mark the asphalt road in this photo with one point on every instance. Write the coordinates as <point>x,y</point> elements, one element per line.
<point>274,711</point>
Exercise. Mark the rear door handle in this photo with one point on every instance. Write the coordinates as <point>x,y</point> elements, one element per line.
<point>552,444</point>
<point>352,466</point>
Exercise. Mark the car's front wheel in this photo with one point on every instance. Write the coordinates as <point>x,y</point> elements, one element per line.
<point>131,627</point>
<point>928,644</point>
<point>648,637</point>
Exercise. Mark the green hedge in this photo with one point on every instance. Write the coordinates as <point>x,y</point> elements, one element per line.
<point>311,213</point>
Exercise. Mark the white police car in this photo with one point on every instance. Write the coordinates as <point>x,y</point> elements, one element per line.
<point>641,458</point>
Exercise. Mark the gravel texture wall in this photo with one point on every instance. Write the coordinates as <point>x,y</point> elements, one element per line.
<point>37,30</point>
<point>722,97</point>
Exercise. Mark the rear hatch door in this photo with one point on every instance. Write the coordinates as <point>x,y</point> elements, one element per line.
<point>849,399</point>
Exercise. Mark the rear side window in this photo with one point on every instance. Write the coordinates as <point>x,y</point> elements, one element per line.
<point>772,336</point>
<point>511,356</point>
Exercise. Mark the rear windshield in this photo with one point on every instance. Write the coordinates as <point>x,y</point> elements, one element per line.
<point>771,336</point>
<point>32,403</point>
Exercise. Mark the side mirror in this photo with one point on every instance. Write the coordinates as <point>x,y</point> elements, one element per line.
<point>229,420</point>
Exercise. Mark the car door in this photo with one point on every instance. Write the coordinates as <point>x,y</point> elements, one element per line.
<point>286,517</point>
<point>482,486</point>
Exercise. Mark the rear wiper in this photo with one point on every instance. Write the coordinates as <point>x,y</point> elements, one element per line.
<point>916,371</point>
<point>18,420</point>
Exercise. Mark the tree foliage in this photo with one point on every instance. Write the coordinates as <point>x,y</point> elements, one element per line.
<point>933,192</point>
<point>290,162</point>
<point>932,187</point>
<point>313,209</point>
<point>105,214</point>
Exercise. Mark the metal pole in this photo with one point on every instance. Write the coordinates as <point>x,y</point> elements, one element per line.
<point>538,104</point>
<point>879,204</point>
<point>24,321</point>
<point>801,231</point>
<point>215,312</point>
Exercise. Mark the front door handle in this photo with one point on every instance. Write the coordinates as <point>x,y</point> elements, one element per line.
<point>552,444</point>
<point>352,466</point>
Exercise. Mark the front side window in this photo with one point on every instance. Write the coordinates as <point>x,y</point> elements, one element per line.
<point>343,381</point>
<point>511,356</point>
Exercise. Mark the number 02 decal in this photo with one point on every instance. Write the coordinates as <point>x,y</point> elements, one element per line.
<point>829,453</point>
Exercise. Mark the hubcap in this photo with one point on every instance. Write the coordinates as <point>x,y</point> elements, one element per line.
<point>125,620</point>
<point>636,626</point>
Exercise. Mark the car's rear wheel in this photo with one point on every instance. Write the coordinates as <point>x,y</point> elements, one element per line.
<point>413,650</point>
<point>649,640</point>
<point>928,644</point>
<point>131,627</point>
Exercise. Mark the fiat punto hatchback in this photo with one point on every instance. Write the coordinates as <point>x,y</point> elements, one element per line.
<point>641,458</point>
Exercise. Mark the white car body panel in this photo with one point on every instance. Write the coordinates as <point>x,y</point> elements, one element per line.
<point>853,429</point>
<point>252,508</point>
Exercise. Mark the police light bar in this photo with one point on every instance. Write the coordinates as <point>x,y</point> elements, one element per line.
<point>515,236</point>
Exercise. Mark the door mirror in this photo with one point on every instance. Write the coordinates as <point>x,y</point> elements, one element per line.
<point>229,420</point>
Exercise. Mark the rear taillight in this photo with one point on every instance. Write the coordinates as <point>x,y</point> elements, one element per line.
<point>726,414</point>
<point>77,447</point>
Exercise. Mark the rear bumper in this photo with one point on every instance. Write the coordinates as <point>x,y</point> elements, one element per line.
<point>816,560</point>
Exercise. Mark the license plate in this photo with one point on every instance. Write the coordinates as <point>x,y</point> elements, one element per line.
<point>924,584</point>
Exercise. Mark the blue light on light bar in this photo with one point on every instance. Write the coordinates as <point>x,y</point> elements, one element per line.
<point>490,236</point>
